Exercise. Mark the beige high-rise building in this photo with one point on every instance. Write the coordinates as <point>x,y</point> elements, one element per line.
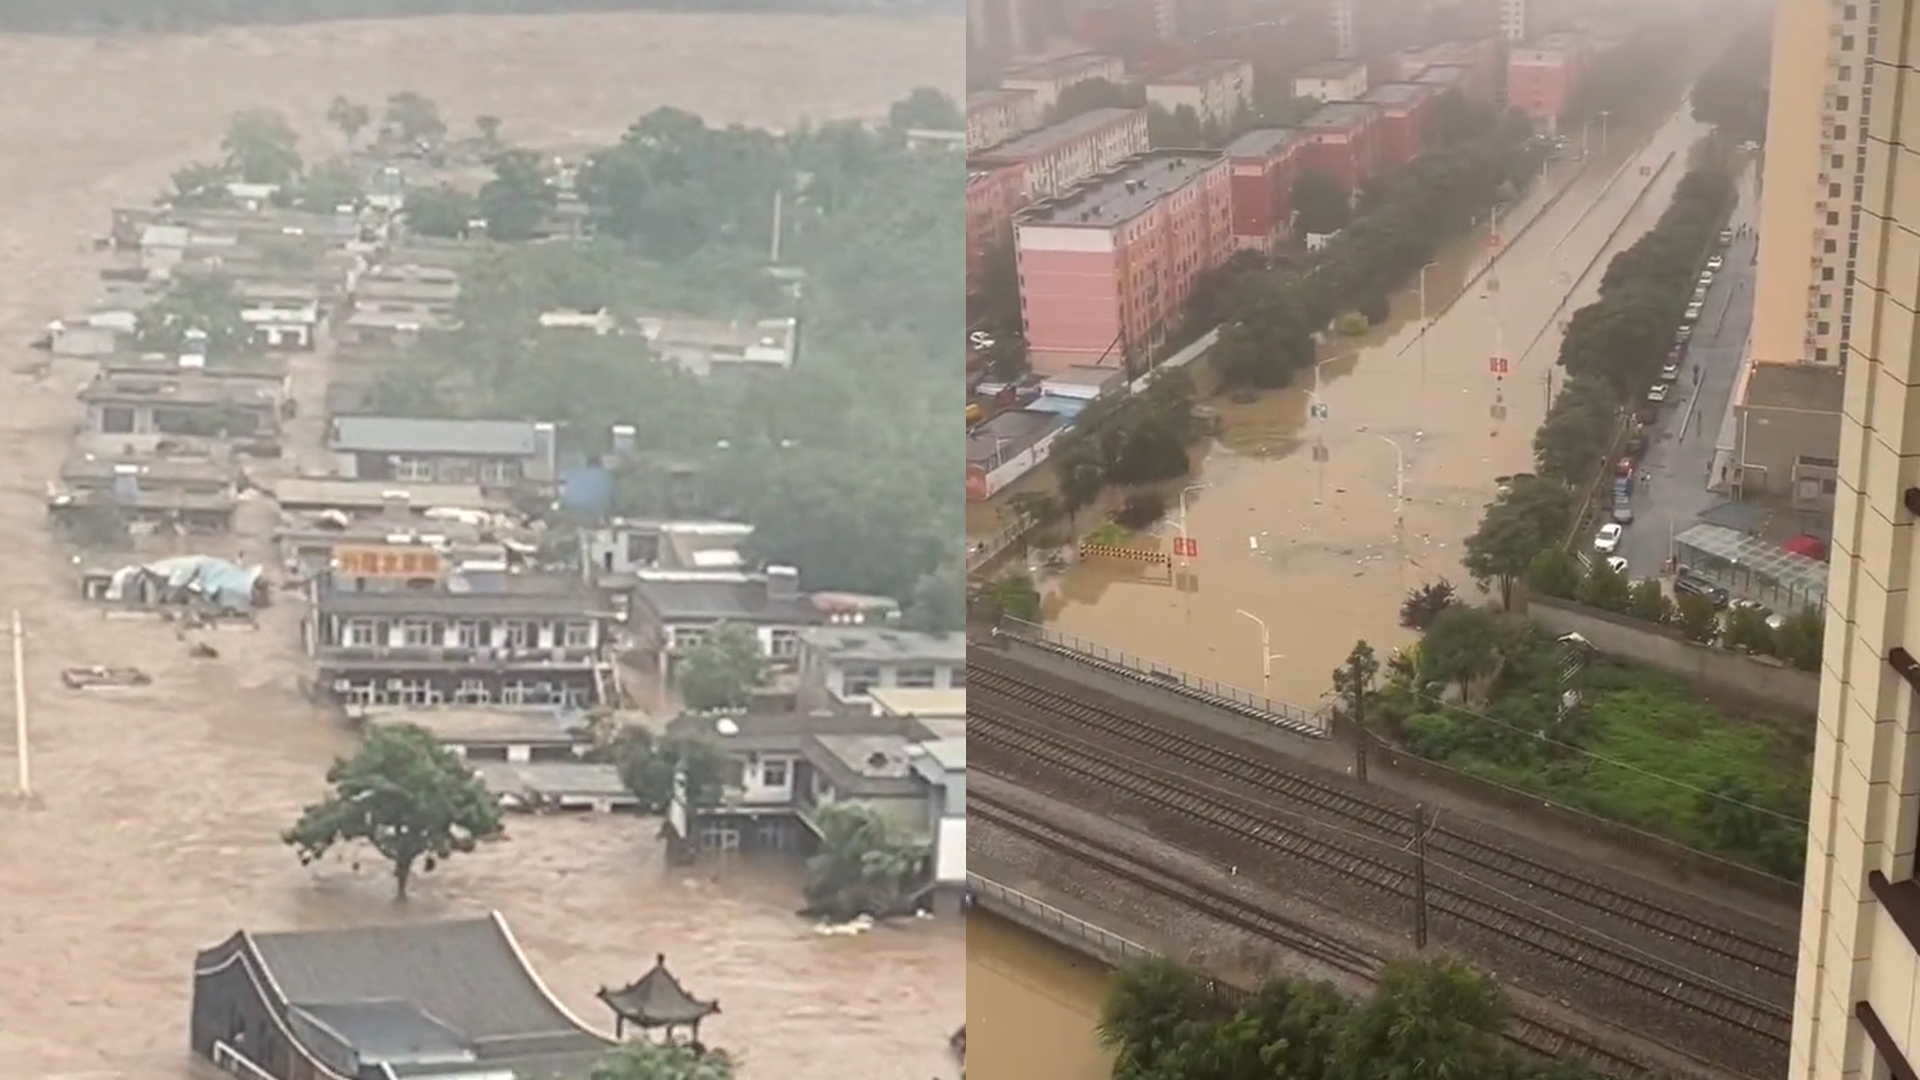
<point>1857,999</point>
<point>1807,297</point>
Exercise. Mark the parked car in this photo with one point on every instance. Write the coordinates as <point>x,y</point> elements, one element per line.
<point>1726,237</point>
<point>1608,538</point>
<point>1657,393</point>
<point>1693,313</point>
<point>1670,373</point>
<point>1715,262</point>
<point>1683,335</point>
<point>1688,584</point>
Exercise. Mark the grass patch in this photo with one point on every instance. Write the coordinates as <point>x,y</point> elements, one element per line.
<point>1642,748</point>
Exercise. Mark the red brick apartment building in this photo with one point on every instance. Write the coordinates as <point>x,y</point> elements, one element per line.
<point>1055,158</point>
<point>993,197</point>
<point>994,116</point>
<point>1480,77</point>
<point>1400,121</point>
<point>1264,163</point>
<point>1342,141</point>
<point>1542,74</point>
<point>1106,269</point>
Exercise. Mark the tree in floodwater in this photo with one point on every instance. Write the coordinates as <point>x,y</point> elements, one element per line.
<point>416,802</point>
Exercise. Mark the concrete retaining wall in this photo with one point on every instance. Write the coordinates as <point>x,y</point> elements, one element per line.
<point>1767,684</point>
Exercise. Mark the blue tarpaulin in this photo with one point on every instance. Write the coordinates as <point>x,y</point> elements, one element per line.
<point>216,581</point>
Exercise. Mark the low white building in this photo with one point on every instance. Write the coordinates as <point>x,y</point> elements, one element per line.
<point>845,664</point>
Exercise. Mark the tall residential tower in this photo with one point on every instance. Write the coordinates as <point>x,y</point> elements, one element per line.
<point>1853,208</point>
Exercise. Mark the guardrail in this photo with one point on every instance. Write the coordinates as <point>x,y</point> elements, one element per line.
<point>1224,696</point>
<point>233,1063</point>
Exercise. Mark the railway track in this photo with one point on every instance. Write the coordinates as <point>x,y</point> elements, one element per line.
<point>997,682</point>
<point>1354,857</point>
<point>1222,906</point>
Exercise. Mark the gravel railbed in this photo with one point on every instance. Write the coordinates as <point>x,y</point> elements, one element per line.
<point>1590,919</point>
<point>1287,876</point>
<point>1223,950</point>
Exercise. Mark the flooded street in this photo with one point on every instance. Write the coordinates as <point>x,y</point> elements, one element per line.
<point>1031,1006</point>
<point>155,829</point>
<point>1311,549</point>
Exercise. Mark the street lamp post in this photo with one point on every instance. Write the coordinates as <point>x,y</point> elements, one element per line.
<point>1267,655</point>
<point>1399,497</point>
<point>1423,321</point>
<point>1184,492</point>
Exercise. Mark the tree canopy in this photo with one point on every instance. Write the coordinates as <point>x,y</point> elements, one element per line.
<point>1732,94</point>
<point>411,799</point>
<point>723,670</point>
<point>647,1060</point>
<point>1425,1020</point>
<point>843,463</point>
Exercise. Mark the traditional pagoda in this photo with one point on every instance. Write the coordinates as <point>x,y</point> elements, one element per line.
<point>657,1001</point>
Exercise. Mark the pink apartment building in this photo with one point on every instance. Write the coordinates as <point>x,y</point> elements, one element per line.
<point>1055,158</point>
<point>1106,269</point>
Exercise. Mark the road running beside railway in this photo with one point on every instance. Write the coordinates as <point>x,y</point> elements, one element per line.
<point>1706,982</point>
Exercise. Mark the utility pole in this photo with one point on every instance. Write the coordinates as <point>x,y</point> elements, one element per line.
<point>1361,736</point>
<point>20,707</point>
<point>1419,875</point>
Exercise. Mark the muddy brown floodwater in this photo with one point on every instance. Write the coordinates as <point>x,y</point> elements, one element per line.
<point>1311,548</point>
<point>155,829</point>
<point>1031,1006</point>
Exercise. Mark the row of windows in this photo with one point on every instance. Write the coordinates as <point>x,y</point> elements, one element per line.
<point>455,471</point>
<point>434,633</point>
<point>855,681</point>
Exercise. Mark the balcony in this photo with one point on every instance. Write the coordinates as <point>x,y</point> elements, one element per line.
<point>435,657</point>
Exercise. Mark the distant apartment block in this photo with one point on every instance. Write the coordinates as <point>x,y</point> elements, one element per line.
<point>994,116</point>
<point>1336,80</point>
<point>1264,164</point>
<point>1055,158</point>
<point>993,196</point>
<point>1342,141</point>
<point>1515,22</point>
<point>1343,28</point>
<point>1106,269</point>
<point>1216,90</point>
<point>1048,79</point>
<point>1542,75</point>
<point>1479,75</point>
<point>1400,121</point>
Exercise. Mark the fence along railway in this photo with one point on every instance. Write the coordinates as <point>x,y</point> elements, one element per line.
<point>1722,988</point>
<point>1113,860</point>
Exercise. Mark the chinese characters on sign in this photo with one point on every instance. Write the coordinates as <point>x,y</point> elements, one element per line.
<point>1497,365</point>
<point>1187,547</point>
<point>387,562</point>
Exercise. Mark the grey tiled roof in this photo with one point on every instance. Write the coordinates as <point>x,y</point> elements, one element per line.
<point>463,972</point>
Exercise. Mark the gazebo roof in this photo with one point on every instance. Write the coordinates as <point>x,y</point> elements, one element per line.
<point>657,999</point>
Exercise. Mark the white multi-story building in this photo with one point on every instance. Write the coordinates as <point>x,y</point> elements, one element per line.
<point>1340,22</point>
<point>1216,90</point>
<point>1854,1002</point>
<point>1514,21</point>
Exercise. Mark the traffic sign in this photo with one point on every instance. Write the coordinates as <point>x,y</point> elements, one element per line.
<point>1497,365</point>
<point>1187,547</point>
<point>1318,410</point>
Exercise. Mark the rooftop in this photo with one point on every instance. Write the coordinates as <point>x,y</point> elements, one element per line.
<point>879,645</point>
<point>178,389</point>
<point>785,730</point>
<point>468,592</point>
<point>420,435</point>
<point>409,318</point>
<point>1397,93</point>
<point>1056,68</point>
<point>657,999</point>
<point>301,492</point>
<point>1331,69</point>
<point>1007,433</point>
<point>1338,115</point>
<point>1444,74</point>
<point>1126,192</point>
<point>82,468</point>
<point>463,725</point>
<point>1199,72</point>
<point>923,705</point>
<point>1261,142</point>
<point>702,596</point>
<point>458,981</point>
<point>1040,143</point>
<point>537,779</point>
<point>867,765</point>
<point>986,99</point>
